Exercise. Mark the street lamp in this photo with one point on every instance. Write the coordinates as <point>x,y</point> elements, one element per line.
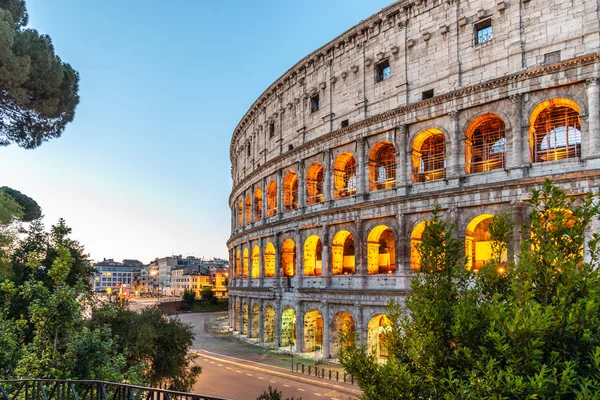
<point>154,274</point>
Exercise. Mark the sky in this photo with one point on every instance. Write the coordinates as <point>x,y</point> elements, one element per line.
<point>144,169</point>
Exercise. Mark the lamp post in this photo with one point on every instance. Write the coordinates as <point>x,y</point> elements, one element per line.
<point>154,274</point>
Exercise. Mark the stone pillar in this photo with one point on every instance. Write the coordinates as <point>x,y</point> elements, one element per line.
<point>518,211</point>
<point>326,246</point>
<point>261,322</point>
<point>362,169</point>
<point>301,186</point>
<point>453,158</point>
<point>252,205</point>
<point>515,158</point>
<point>261,262</point>
<point>244,222</point>
<point>265,206</point>
<point>230,309</point>
<point>326,331</point>
<point>401,156</point>
<point>249,333</point>
<point>276,244</point>
<point>400,241</point>
<point>593,133</point>
<point>279,191</point>
<point>240,317</point>
<point>299,330</point>
<point>299,259</point>
<point>277,323</point>
<point>329,173</point>
<point>361,249</point>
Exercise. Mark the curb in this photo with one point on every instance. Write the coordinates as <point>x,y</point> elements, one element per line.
<point>206,354</point>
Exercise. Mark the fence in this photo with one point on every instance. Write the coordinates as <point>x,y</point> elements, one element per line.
<point>315,371</point>
<point>54,389</point>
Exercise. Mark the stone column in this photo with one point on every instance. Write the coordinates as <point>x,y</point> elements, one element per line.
<point>299,259</point>
<point>276,244</point>
<point>328,185</point>
<point>361,326</point>
<point>261,322</point>
<point>261,262</point>
<point>244,222</point>
<point>279,191</point>
<point>299,330</point>
<point>362,169</point>
<point>326,331</point>
<point>401,156</point>
<point>518,211</point>
<point>301,186</point>
<point>241,317</point>
<point>453,169</point>
<point>515,158</point>
<point>277,323</point>
<point>249,333</point>
<point>326,246</point>
<point>361,249</point>
<point>401,265</point>
<point>593,133</point>
<point>265,206</point>
<point>252,205</point>
<point>230,309</point>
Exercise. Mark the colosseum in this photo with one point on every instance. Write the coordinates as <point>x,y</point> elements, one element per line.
<point>339,163</point>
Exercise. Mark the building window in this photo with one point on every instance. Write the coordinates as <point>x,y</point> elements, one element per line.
<point>382,71</point>
<point>428,94</point>
<point>248,150</point>
<point>271,130</point>
<point>483,31</point>
<point>345,123</point>
<point>315,103</point>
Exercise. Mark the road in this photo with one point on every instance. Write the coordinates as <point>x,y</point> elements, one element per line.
<point>240,371</point>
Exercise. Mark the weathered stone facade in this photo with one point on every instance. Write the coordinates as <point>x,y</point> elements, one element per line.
<point>465,104</point>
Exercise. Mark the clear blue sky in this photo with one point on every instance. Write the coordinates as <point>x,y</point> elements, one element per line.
<point>144,170</point>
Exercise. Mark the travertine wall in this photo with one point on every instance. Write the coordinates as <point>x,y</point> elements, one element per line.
<point>541,52</point>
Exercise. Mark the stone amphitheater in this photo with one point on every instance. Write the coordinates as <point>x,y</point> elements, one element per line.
<point>338,164</point>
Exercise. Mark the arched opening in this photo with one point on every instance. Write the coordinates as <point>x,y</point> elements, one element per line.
<point>258,204</point>
<point>288,327</point>
<point>485,144</point>
<point>314,184</point>
<point>248,209</point>
<point>344,176</point>
<point>255,320</point>
<point>313,250</point>
<point>269,260</point>
<point>378,327</point>
<point>288,258</point>
<point>429,156</point>
<point>382,166</point>
<point>290,191</point>
<point>272,199</point>
<point>478,246</point>
<point>342,322</point>
<point>343,260</point>
<point>241,214</point>
<point>255,262</point>
<point>269,325</point>
<point>313,331</point>
<point>416,237</point>
<point>555,130</point>
<point>244,330</point>
<point>238,264</point>
<point>381,251</point>
<point>246,262</point>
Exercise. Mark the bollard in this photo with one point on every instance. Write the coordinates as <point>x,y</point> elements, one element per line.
<point>303,368</point>
<point>329,374</point>
<point>344,377</point>
<point>352,379</point>
<point>309,367</point>
<point>322,372</point>
<point>337,376</point>
<point>316,371</point>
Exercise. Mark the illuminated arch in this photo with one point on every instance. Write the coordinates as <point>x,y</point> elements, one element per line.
<point>343,256</point>
<point>378,326</point>
<point>246,262</point>
<point>313,249</point>
<point>382,166</point>
<point>555,130</point>
<point>314,184</point>
<point>485,145</point>
<point>381,251</point>
<point>255,321</point>
<point>478,246</point>
<point>248,209</point>
<point>240,213</point>
<point>313,331</point>
<point>288,327</point>
<point>429,156</point>
<point>238,263</point>
<point>290,191</point>
<point>342,321</point>
<point>344,176</point>
<point>416,238</point>
<point>269,260</point>
<point>288,258</point>
<point>269,325</point>
<point>255,262</point>
<point>272,199</point>
<point>258,204</point>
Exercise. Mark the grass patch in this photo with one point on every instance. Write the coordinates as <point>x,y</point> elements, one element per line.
<point>207,306</point>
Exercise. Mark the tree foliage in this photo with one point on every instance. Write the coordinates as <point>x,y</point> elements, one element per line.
<point>526,329</point>
<point>274,394</point>
<point>39,93</point>
<point>30,208</point>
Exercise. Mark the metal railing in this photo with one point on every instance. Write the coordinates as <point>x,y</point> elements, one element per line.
<point>56,389</point>
<point>324,373</point>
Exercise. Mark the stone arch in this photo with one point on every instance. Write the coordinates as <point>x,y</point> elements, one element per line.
<point>381,251</point>
<point>248,209</point>
<point>343,253</point>
<point>244,327</point>
<point>255,320</point>
<point>269,260</point>
<point>313,250</point>
<point>313,331</point>
<point>478,249</point>
<point>269,324</point>
<point>290,191</point>
<point>555,130</point>
<point>255,262</point>
<point>429,156</point>
<point>272,198</point>
<point>344,176</point>
<point>288,258</point>
<point>246,262</point>
<point>314,184</point>
<point>342,321</point>
<point>382,166</point>
<point>485,144</point>
<point>377,328</point>
<point>288,326</point>
<point>258,204</point>
<point>416,237</point>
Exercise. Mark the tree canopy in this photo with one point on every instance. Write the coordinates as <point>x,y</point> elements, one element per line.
<point>523,329</point>
<point>38,91</point>
<point>31,209</point>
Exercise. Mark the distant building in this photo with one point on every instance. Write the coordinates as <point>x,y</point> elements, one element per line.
<point>111,274</point>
